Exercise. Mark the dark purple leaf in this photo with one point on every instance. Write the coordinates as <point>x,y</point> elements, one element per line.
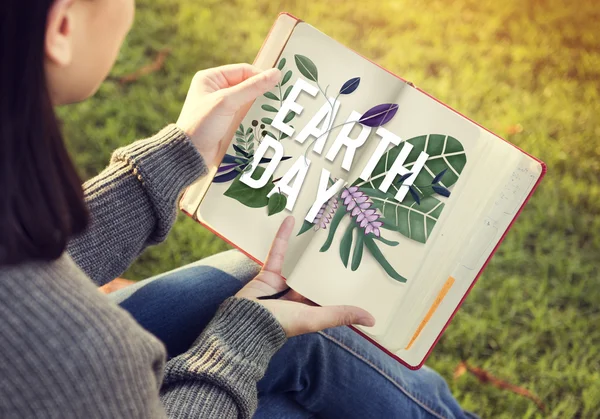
<point>415,195</point>
<point>227,167</point>
<point>439,176</point>
<point>350,86</point>
<point>239,150</point>
<point>226,177</point>
<point>267,160</point>
<point>441,190</point>
<point>231,159</point>
<point>404,177</point>
<point>379,115</point>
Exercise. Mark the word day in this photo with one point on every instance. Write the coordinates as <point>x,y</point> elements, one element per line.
<point>319,127</point>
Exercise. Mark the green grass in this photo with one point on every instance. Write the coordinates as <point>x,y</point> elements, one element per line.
<point>533,317</point>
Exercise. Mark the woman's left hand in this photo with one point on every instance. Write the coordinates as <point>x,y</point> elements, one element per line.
<point>213,99</point>
<point>296,314</point>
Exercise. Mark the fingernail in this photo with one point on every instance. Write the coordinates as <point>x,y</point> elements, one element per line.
<point>367,320</point>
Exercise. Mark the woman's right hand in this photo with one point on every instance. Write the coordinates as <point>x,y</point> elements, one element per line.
<point>296,314</point>
<point>214,98</point>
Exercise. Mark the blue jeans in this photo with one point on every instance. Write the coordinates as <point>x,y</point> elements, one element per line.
<point>330,374</point>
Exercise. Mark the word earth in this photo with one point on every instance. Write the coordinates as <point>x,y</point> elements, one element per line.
<point>319,127</point>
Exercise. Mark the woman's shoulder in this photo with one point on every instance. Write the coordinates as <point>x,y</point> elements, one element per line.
<point>55,305</point>
<point>62,341</point>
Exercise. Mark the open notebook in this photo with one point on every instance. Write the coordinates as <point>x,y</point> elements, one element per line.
<point>399,200</point>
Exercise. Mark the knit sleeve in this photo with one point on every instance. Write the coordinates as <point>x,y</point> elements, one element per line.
<point>132,202</point>
<point>217,377</point>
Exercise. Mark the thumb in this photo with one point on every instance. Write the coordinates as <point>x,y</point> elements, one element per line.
<point>251,88</point>
<point>334,316</point>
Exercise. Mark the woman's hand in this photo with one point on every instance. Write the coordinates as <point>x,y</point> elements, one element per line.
<point>296,314</point>
<point>214,98</point>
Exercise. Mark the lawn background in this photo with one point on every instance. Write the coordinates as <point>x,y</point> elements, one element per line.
<point>527,70</point>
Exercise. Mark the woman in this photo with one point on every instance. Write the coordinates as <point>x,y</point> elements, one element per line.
<point>66,350</point>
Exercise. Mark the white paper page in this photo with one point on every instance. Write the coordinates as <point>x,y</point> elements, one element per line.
<point>520,174</point>
<point>250,228</point>
<point>370,287</point>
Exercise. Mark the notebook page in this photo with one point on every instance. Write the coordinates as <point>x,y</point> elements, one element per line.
<point>251,228</point>
<point>369,286</point>
<point>521,174</point>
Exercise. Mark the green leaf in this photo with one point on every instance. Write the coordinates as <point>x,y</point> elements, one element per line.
<point>271,96</point>
<point>249,130</point>
<point>346,244</point>
<point>386,241</point>
<point>281,64</point>
<point>305,227</point>
<point>407,218</point>
<point>445,153</point>
<point>333,225</point>
<point>267,121</point>
<point>268,108</point>
<point>287,92</point>
<point>306,67</point>
<point>286,77</point>
<point>358,251</point>
<point>374,250</point>
<point>250,197</point>
<point>238,132</point>
<point>277,203</point>
<point>289,117</point>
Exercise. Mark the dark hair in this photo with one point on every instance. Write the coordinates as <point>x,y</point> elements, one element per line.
<point>41,198</point>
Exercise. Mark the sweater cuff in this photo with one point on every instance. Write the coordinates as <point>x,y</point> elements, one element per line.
<point>249,328</point>
<point>230,356</point>
<point>165,163</point>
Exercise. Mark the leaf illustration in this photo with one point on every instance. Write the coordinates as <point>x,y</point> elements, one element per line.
<point>374,250</point>
<point>249,130</point>
<point>415,195</point>
<point>287,92</point>
<point>277,203</point>
<point>239,150</point>
<point>250,197</point>
<point>335,222</point>
<point>226,177</point>
<point>386,241</point>
<point>358,251</point>
<point>407,218</point>
<point>440,190</point>
<point>445,152</point>
<point>227,167</point>
<point>267,121</point>
<point>305,227</point>
<point>439,176</point>
<point>281,64</point>
<point>306,67</point>
<point>228,158</point>
<point>346,244</point>
<point>404,177</point>
<point>286,77</point>
<point>350,86</point>
<point>289,117</point>
<point>271,96</point>
<point>379,115</point>
<point>269,108</point>
<point>238,132</point>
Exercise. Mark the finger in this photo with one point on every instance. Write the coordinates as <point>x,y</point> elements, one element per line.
<point>274,261</point>
<point>249,89</point>
<point>228,75</point>
<point>333,316</point>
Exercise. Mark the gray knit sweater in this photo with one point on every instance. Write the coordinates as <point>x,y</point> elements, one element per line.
<point>67,351</point>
